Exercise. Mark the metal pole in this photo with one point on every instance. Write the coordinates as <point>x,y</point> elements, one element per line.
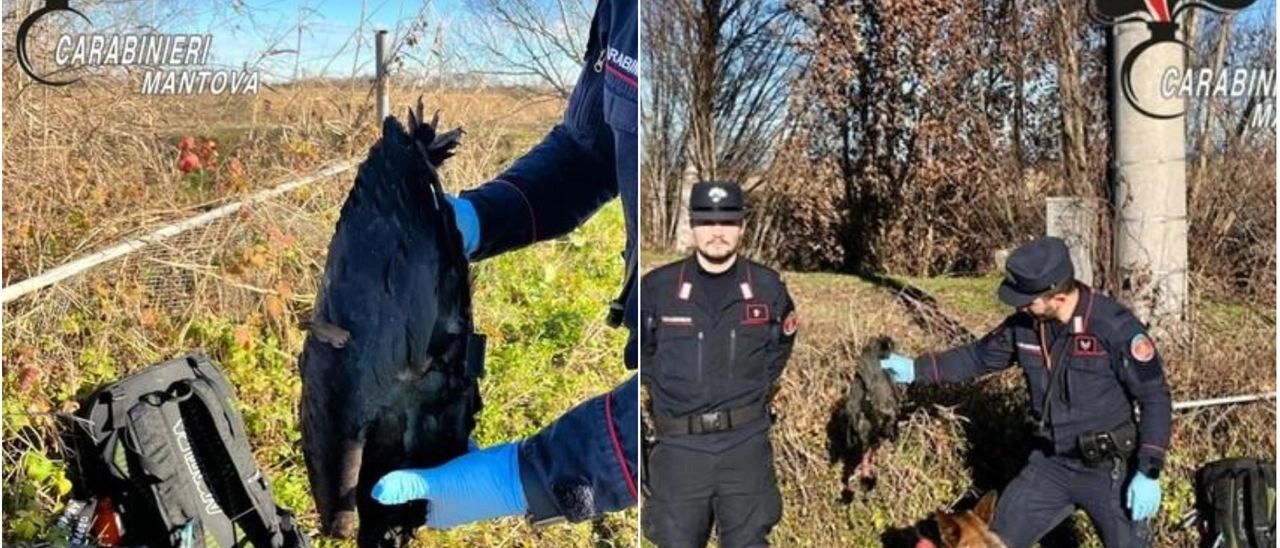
<point>55,275</point>
<point>380,50</point>
<point>1223,401</point>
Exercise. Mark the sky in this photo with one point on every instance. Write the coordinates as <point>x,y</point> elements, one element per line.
<point>328,43</point>
<point>333,42</point>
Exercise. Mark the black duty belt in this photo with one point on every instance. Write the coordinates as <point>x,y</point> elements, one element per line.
<point>1096,448</point>
<point>707,423</point>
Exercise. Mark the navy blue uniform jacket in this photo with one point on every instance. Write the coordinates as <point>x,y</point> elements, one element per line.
<point>1084,376</point>
<point>584,463</point>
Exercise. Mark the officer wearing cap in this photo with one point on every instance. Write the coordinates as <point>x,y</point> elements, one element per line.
<point>1086,360</point>
<point>717,332</point>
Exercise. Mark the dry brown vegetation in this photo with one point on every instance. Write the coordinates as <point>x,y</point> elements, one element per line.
<point>969,437</point>
<point>88,165</point>
<point>958,441</point>
<point>921,137</point>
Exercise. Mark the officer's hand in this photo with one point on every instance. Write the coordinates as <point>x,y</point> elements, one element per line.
<point>1144,496</point>
<point>483,484</point>
<point>901,368</point>
<point>464,213</point>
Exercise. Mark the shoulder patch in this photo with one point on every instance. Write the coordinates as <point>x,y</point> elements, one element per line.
<point>1142,348</point>
<point>791,324</point>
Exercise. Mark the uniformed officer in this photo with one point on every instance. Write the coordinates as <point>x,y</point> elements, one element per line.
<point>717,332</point>
<point>1086,360</point>
<point>584,463</point>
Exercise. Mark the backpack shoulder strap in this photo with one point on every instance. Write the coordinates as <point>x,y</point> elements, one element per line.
<point>227,448</point>
<point>153,453</point>
<point>1259,495</point>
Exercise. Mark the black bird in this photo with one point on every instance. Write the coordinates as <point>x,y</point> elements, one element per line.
<point>389,375</point>
<point>866,417</point>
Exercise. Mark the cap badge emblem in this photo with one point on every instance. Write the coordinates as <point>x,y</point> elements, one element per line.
<point>716,194</point>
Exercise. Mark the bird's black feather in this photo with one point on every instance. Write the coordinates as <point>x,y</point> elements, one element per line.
<point>396,393</point>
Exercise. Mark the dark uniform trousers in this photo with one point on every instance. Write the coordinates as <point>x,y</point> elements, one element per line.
<point>1084,378</point>
<point>710,362</point>
<point>1049,488</point>
<point>689,488</point>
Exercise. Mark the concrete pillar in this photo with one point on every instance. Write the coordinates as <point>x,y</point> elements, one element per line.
<point>684,233</point>
<point>1075,220</point>
<point>1151,184</point>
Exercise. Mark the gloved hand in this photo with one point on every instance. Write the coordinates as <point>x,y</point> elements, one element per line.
<point>479,485</point>
<point>901,368</point>
<point>464,214</point>
<point>1144,496</point>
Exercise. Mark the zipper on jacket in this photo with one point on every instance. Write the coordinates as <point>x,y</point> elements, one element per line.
<point>599,66</point>
<point>733,350</point>
<point>699,356</point>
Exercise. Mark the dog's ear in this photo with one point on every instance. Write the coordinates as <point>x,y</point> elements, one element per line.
<point>986,507</point>
<point>949,527</point>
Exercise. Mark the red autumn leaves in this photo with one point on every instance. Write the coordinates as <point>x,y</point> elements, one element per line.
<point>201,162</point>
<point>189,160</point>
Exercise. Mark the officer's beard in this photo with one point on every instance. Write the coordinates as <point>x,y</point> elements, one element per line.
<point>1050,313</point>
<point>721,258</point>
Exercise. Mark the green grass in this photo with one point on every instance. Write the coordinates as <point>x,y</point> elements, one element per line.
<point>1226,315</point>
<point>972,295</point>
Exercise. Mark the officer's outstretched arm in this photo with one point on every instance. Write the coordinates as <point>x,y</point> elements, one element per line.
<point>557,185</point>
<point>993,352</point>
<point>584,463</point>
<point>1141,369</point>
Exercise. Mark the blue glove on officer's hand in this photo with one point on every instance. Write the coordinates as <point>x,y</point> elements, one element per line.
<point>464,213</point>
<point>482,484</point>
<point>1144,496</point>
<point>901,368</point>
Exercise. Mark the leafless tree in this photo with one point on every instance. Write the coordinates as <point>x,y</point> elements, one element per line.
<point>531,39</point>
<point>716,95</point>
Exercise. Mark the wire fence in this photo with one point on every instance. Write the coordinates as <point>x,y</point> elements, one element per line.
<point>234,261</point>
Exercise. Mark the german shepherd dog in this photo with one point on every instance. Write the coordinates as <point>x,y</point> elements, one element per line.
<point>968,529</point>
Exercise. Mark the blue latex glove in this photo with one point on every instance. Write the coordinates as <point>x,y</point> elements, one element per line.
<point>1144,496</point>
<point>482,484</point>
<point>468,223</point>
<point>901,368</point>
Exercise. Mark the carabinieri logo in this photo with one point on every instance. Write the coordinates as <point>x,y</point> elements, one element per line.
<point>148,52</point>
<point>1161,17</point>
<point>50,6</point>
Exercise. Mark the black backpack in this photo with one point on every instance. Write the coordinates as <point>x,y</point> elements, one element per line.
<point>1236,503</point>
<point>167,447</point>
